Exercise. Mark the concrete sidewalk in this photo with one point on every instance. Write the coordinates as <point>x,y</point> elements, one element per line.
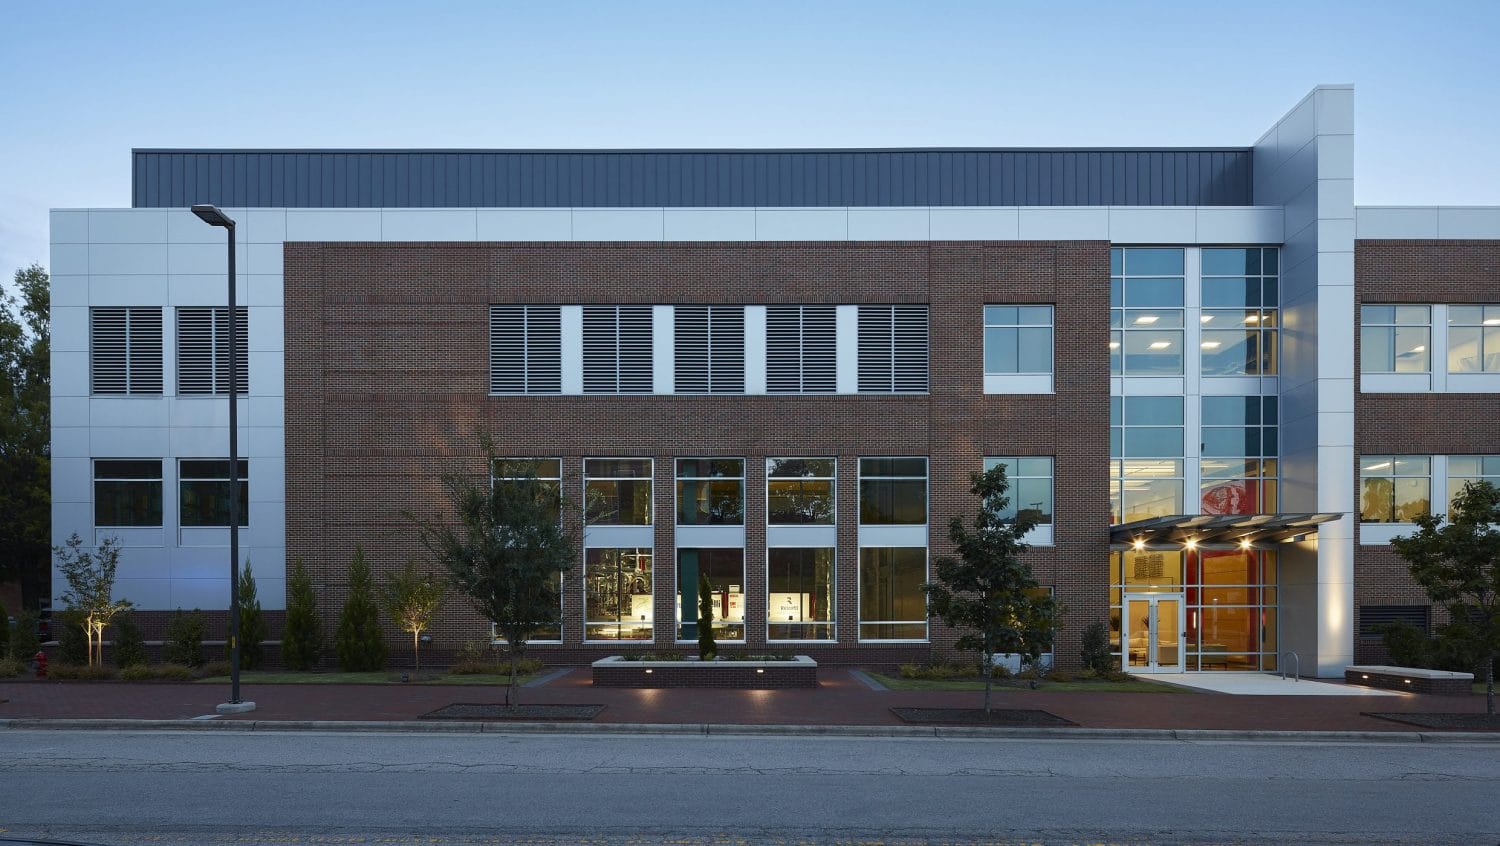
<point>841,700</point>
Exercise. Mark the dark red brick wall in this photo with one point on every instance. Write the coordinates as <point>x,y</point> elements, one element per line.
<point>1420,272</point>
<point>387,377</point>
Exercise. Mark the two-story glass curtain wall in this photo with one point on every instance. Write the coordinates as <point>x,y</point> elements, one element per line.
<point>539,479</point>
<point>618,602</point>
<point>1230,597</point>
<point>893,548</point>
<point>800,516</point>
<point>711,545</point>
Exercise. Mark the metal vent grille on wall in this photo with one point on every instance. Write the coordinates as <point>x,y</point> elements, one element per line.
<point>801,349</point>
<point>125,350</point>
<point>525,349</point>
<point>710,349</point>
<point>203,349</point>
<point>617,350</point>
<point>1373,616</point>
<point>893,349</point>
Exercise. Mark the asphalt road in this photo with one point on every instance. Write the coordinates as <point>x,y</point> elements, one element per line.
<point>291,788</point>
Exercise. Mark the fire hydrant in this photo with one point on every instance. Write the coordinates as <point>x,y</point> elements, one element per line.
<point>41,664</point>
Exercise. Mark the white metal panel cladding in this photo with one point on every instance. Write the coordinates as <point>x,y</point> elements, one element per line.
<point>893,354</point>
<point>617,351</point>
<point>203,350</point>
<point>525,349</point>
<point>801,349</point>
<point>710,349</point>
<point>125,350</point>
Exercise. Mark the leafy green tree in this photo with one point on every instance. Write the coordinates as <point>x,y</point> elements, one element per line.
<point>130,646</point>
<point>987,590</point>
<point>708,648</point>
<point>253,628</point>
<point>25,436</point>
<point>504,552</point>
<point>360,643</point>
<point>411,597</point>
<point>4,632</point>
<point>23,640</point>
<point>1457,562</point>
<point>91,583</point>
<point>302,642</point>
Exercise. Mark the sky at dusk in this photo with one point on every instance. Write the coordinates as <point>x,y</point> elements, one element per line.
<point>81,83</point>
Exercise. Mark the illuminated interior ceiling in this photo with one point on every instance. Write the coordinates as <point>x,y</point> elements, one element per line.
<point>1218,529</point>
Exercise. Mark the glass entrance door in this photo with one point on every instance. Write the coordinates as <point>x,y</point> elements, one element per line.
<point>1153,633</point>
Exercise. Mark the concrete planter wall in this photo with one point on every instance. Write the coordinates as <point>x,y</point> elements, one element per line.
<point>1411,679</point>
<point>616,671</point>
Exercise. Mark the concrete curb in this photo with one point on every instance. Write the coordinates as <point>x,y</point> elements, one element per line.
<point>725,730</point>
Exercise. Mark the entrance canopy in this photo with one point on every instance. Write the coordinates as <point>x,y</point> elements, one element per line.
<point>1256,530</point>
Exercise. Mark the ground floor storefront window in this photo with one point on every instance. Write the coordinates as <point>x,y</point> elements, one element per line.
<point>617,598</point>
<point>725,571</point>
<point>1196,609</point>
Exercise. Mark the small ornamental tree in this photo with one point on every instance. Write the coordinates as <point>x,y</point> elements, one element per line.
<point>253,629</point>
<point>302,640</point>
<point>360,642</point>
<point>505,552</point>
<point>987,590</point>
<point>411,597</point>
<point>91,583</point>
<point>1457,562</point>
<point>708,648</point>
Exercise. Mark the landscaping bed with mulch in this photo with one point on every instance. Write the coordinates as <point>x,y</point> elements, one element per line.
<point>1019,717</point>
<point>1450,722</point>
<point>539,712</point>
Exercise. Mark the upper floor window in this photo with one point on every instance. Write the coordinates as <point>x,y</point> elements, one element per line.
<point>125,351</point>
<point>617,491</point>
<point>127,492</point>
<point>892,491</point>
<point>800,491</point>
<point>710,349</point>
<point>203,492</point>
<point>545,473</point>
<point>203,350</point>
<point>1030,489</point>
<point>1474,339</point>
<point>1394,488</point>
<point>710,492</point>
<point>617,353</point>
<point>525,349</point>
<point>801,349</point>
<point>1017,339</point>
<point>1239,427</point>
<point>1146,311</point>
<point>1148,473</point>
<point>1240,296</point>
<point>1395,339</point>
<point>1463,469</point>
<point>893,349</point>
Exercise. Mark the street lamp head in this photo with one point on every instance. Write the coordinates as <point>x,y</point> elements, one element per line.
<point>211,215</point>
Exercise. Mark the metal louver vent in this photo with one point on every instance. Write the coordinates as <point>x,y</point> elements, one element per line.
<point>801,349</point>
<point>710,349</point>
<point>203,350</point>
<point>1373,616</point>
<point>125,350</point>
<point>617,355</point>
<point>525,349</point>
<point>893,355</point>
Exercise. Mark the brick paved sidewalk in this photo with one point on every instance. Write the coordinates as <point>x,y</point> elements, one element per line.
<point>842,699</point>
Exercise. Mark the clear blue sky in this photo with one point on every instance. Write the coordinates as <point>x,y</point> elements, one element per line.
<point>83,82</point>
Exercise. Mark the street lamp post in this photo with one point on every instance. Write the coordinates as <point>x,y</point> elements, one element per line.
<point>214,217</point>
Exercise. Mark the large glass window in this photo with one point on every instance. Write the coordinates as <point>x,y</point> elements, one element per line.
<point>1017,339</point>
<point>203,492</point>
<point>725,569</point>
<point>1146,311</point>
<point>1474,339</point>
<point>1395,339</point>
<point>892,605</point>
<point>710,492</point>
<point>617,598</point>
<point>127,492</point>
<point>1240,316</point>
<point>1030,481</point>
<point>1147,470</point>
<point>545,473</point>
<point>800,491</point>
<point>617,491</point>
<point>892,491</point>
<point>1463,469</point>
<point>800,587</point>
<point>1394,488</point>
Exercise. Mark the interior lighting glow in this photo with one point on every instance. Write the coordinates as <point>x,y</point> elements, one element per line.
<point>1139,544</point>
<point>1244,543</point>
<point>1160,345</point>
<point>1192,543</point>
<point>1114,345</point>
<point>1381,466</point>
<point>1210,345</point>
<point>648,670</point>
<point>760,669</point>
<point>1419,348</point>
<point>1206,318</point>
<point>1492,321</point>
<point>1252,318</point>
<point>1146,319</point>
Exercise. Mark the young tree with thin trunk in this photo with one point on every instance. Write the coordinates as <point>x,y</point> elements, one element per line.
<point>411,597</point>
<point>505,552</point>
<point>1457,562</point>
<point>987,589</point>
<point>91,584</point>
